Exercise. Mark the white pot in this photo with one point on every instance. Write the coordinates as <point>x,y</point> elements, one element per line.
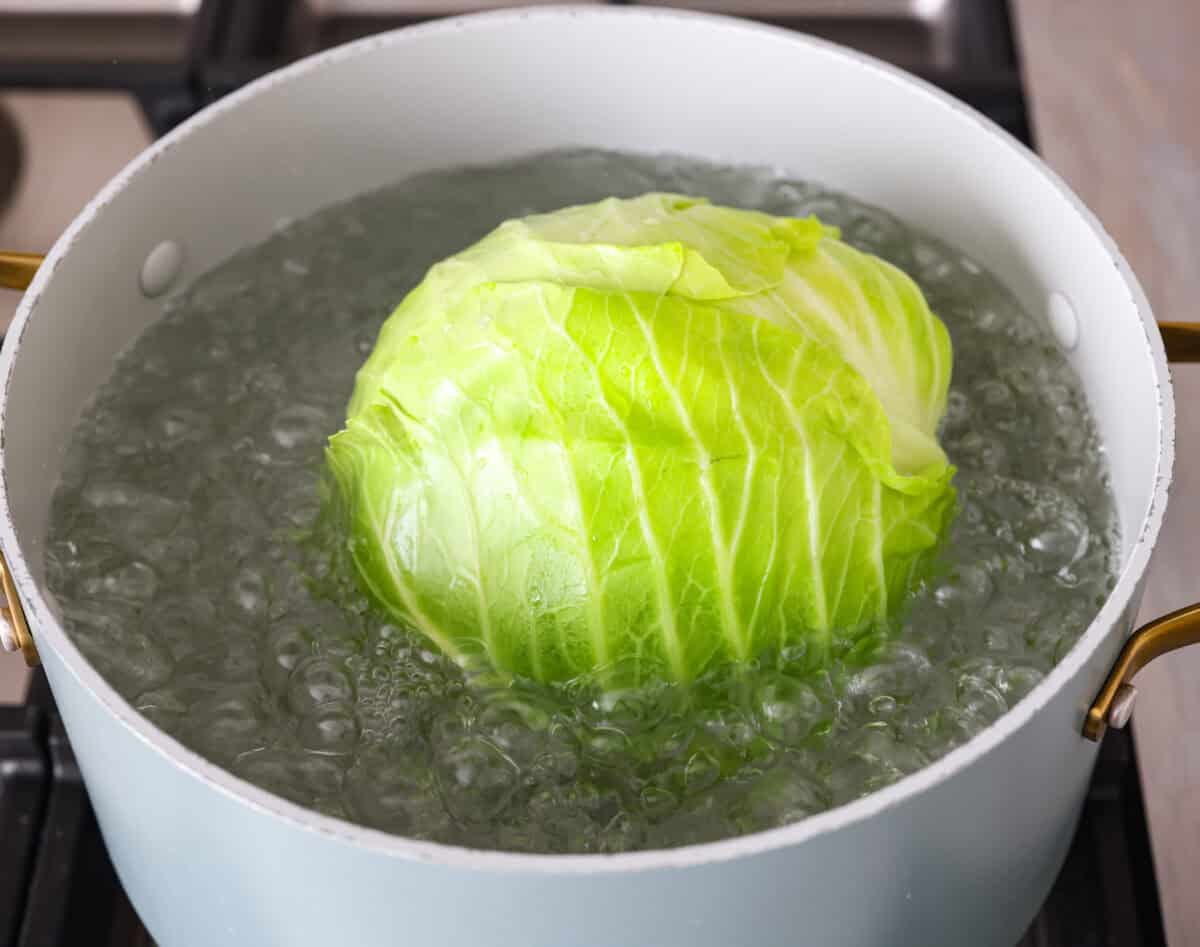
<point>963,851</point>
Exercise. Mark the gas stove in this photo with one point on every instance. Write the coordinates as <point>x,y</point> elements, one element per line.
<point>86,84</point>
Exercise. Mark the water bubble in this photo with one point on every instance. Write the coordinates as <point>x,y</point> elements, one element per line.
<point>293,497</point>
<point>301,426</point>
<point>981,699</point>
<point>449,728</point>
<point>180,622</point>
<point>701,772</point>
<point>228,658</point>
<point>898,672</point>
<point>702,818</point>
<point>565,819</point>
<point>829,208</point>
<point>657,802</point>
<point>625,832</point>
<point>325,621</point>
<point>782,798</point>
<point>789,711</point>
<point>958,414</point>
<point>267,381</point>
<point>557,763</point>
<point>995,399</point>
<point>294,775</point>
<point>955,726</point>
<point>131,583</point>
<point>163,708</point>
<point>666,742</point>
<point>476,779</point>
<point>248,592</point>
<point>790,197</point>
<point>139,513</point>
<point>332,729</point>
<point>228,723</point>
<point>205,385</point>
<point>174,424</point>
<point>604,745</point>
<point>317,681</point>
<point>514,723</point>
<point>633,709</point>
<point>1016,682</point>
<point>968,587</point>
<point>171,553</point>
<point>283,649</point>
<point>132,661</point>
<point>876,233</point>
<point>1054,546</point>
<point>397,795</point>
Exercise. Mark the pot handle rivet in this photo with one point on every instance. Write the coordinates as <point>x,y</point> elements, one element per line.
<point>1113,706</point>
<point>1122,706</point>
<point>14,630</point>
<point>162,265</point>
<point>8,634</point>
<point>1063,321</point>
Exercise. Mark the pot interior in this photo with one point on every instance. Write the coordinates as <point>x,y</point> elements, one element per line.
<point>504,85</point>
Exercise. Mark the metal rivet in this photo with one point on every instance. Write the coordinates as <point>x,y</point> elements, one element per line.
<point>162,265</point>
<point>1063,321</point>
<point>8,635</point>
<point>1122,706</point>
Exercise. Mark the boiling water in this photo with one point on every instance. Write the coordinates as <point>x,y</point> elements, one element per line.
<point>186,552</point>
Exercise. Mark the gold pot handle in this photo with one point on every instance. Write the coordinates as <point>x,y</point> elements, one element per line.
<point>17,269</point>
<point>16,272</point>
<point>1181,340</point>
<point>14,630</point>
<point>1114,704</point>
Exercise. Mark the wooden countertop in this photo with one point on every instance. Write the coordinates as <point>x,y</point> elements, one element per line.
<point>1114,95</point>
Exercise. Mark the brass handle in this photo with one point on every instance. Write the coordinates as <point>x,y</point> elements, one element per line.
<point>1181,340</point>
<point>1114,703</point>
<point>16,272</point>
<point>14,630</point>
<point>17,269</point>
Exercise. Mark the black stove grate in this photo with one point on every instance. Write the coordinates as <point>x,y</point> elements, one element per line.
<point>236,41</point>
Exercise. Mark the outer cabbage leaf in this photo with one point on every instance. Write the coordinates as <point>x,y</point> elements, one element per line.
<point>648,435</point>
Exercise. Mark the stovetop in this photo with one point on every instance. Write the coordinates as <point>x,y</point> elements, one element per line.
<point>57,886</point>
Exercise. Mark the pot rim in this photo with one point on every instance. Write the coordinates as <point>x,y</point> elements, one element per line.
<point>49,631</point>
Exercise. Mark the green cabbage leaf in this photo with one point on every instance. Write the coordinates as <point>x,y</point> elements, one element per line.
<point>640,437</point>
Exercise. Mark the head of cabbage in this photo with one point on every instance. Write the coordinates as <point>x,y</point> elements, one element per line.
<point>641,437</point>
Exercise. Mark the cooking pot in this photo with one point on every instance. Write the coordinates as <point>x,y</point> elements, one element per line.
<point>963,851</point>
